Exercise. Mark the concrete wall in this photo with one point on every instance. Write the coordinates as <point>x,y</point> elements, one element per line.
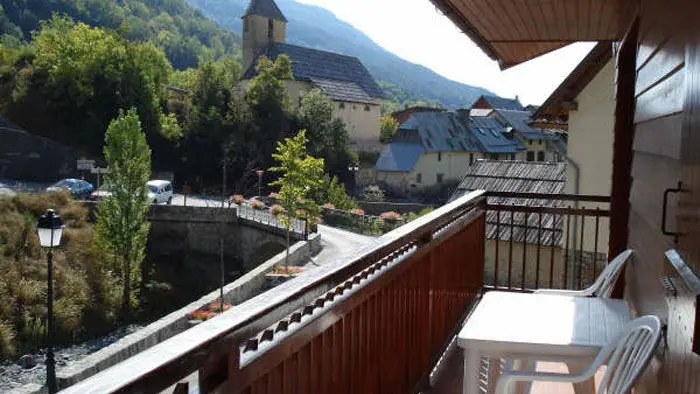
<point>591,144</point>
<point>244,288</point>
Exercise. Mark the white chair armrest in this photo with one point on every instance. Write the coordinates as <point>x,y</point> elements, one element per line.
<point>570,293</point>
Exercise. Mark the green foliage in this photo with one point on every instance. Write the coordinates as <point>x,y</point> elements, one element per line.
<point>437,194</point>
<point>185,35</point>
<point>387,128</point>
<point>333,192</point>
<point>84,303</point>
<point>328,136</point>
<point>299,174</point>
<point>71,83</point>
<point>397,98</point>
<point>121,227</point>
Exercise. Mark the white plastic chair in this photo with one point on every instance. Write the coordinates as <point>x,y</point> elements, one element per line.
<point>604,283</point>
<point>628,356</point>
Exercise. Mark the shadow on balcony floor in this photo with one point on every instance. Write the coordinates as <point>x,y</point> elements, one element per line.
<point>450,381</point>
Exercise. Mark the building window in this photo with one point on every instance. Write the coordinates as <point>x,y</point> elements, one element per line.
<point>539,142</point>
<point>540,155</point>
<point>493,156</point>
<point>440,177</point>
<point>367,108</point>
<point>439,156</point>
<point>512,156</point>
<point>529,142</point>
<point>270,29</point>
<point>341,105</point>
<point>419,178</point>
<point>354,106</point>
<point>530,156</point>
<point>471,158</point>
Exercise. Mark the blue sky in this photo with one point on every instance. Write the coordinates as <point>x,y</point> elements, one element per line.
<point>416,31</point>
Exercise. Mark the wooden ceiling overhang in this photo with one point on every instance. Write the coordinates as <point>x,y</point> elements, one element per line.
<point>514,31</point>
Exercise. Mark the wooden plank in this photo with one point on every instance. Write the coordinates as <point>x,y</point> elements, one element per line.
<point>660,137</point>
<point>665,98</point>
<point>669,57</point>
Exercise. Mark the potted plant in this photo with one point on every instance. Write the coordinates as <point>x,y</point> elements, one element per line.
<point>237,199</point>
<point>276,209</point>
<point>257,204</point>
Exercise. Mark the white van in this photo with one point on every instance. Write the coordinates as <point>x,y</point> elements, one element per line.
<point>160,191</point>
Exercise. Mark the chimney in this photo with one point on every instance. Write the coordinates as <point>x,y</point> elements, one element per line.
<point>517,98</point>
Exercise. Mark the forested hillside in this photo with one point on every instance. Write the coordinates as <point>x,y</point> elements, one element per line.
<point>316,27</point>
<point>183,33</point>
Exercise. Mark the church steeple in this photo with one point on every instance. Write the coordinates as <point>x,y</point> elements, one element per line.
<point>265,8</point>
<point>263,23</point>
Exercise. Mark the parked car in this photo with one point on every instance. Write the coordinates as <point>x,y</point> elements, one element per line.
<point>100,194</point>
<point>264,199</point>
<point>78,188</point>
<point>160,191</point>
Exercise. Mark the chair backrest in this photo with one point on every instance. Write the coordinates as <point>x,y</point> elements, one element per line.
<point>629,355</point>
<point>604,284</point>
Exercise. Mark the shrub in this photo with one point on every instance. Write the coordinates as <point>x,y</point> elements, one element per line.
<point>391,216</point>
<point>357,211</point>
<point>275,196</point>
<point>373,193</point>
<point>276,209</point>
<point>328,206</point>
<point>301,214</point>
<point>7,340</point>
<point>256,204</point>
<point>237,199</point>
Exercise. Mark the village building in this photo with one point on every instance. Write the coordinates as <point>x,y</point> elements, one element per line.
<point>584,102</point>
<point>487,101</point>
<point>541,144</point>
<point>432,148</point>
<point>355,94</point>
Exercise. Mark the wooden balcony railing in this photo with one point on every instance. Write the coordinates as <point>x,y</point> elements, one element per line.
<point>545,240</point>
<point>376,323</point>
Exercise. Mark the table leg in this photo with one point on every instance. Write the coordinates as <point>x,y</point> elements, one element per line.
<point>470,379</point>
<point>523,365</point>
<point>586,387</point>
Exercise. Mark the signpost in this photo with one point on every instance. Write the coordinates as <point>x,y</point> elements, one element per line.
<point>85,165</point>
<point>98,171</point>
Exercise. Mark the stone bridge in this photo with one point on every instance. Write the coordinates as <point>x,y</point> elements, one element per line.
<point>187,243</point>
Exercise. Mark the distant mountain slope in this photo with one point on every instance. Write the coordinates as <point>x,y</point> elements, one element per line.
<point>184,34</point>
<point>318,28</point>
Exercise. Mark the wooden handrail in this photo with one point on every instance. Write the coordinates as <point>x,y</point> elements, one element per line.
<point>207,343</point>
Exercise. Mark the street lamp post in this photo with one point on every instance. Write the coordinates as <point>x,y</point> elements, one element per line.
<point>49,229</point>
<point>260,174</point>
<point>353,168</point>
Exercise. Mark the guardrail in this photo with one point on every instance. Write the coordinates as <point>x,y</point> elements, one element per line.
<point>265,217</point>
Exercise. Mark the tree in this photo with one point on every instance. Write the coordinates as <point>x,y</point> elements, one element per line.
<point>269,103</point>
<point>300,173</point>
<point>121,228</point>
<point>328,135</point>
<point>387,126</point>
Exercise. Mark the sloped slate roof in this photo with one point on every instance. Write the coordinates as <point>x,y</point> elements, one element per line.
<point>520,177</point>
<point>442,132</point>
<point>309,64</point>
<point>520,121</point>
<point>266,8</point>
<point>497,102</point>
<point>399,157</point>
<point>492,137</point>
<point>343,91</point>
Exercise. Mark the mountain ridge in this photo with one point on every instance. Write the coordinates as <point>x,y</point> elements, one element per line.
<point>332,34</point>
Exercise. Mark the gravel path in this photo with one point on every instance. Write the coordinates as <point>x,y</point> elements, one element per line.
<point>14,377</point>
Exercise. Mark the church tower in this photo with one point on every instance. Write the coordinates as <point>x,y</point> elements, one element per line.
<point>263,23</point>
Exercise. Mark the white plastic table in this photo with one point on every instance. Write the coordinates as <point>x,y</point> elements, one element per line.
<point>526,326</point>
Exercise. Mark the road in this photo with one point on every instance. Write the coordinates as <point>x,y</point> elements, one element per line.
<point>338,244</point>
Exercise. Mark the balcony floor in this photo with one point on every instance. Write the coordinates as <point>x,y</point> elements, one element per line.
<point>450,381</point>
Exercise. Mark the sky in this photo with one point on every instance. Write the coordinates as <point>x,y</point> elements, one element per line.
<point>416,31</point>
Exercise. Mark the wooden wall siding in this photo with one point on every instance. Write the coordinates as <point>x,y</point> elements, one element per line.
<point>388,331</point>
<point>655,167</point>
<point>664,149</point>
